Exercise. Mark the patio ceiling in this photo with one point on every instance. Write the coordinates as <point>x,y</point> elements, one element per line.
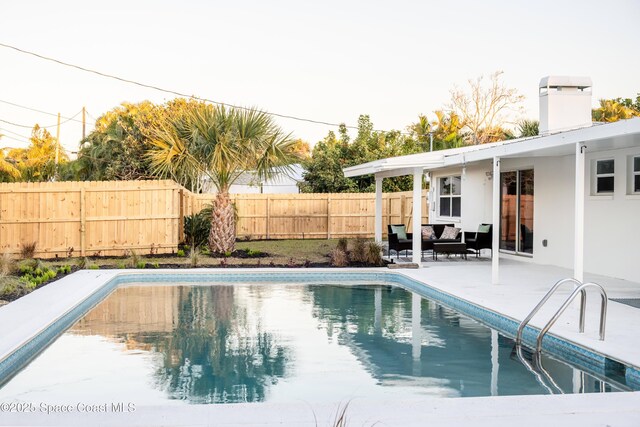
<point>599,137</point>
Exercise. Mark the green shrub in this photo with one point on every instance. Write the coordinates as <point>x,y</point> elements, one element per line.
<point>197,228</point>
<point>253,253</point>
<point>141,264</point>
<point>121,265</point>
<point>180,253</point>
<point>155,265</point>
<point>94,267</point>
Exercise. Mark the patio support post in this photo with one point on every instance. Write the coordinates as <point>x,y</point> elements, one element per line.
<point>378,214</point>
<point>417,216</point>
<point>578,243</point>
<point>495,244</point>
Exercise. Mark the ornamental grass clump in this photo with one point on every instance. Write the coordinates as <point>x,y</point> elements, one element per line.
<point>339,258</point>
<point>194,257</point>
<point>342,244</point>
<point>374,254</point>
<point>359,250</point>
<point>8,265</point>
<point>28,250</point>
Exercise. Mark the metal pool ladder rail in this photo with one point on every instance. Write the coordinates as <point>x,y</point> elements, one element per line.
<point>580,289</point>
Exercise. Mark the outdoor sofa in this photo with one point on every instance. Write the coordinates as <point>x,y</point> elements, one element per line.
<point>397,243</point>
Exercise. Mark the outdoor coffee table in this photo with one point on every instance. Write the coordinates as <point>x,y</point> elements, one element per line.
<point>449,248</point>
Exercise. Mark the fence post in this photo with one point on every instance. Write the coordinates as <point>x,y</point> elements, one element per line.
<point>83,221</point>
<point>181,215</point>
<point>268,208</point>
<point>328,217</point>
<point>403,199</point>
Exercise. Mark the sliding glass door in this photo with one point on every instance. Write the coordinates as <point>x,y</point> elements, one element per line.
<point>516,211</point>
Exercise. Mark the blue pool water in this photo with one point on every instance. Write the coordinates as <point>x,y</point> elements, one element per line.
<point>162,344</point>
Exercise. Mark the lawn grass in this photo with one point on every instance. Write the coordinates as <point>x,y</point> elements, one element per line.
<point>281,252</point>
<point>289,253</point>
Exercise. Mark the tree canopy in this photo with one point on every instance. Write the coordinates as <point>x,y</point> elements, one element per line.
<point>38,162</point>
<point>612,110</point>
<point>324,168</point>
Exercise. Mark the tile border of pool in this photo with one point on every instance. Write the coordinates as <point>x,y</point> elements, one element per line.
<point>19,355</point>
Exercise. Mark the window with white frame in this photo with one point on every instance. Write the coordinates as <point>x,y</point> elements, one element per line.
<point>450,196</point>
<point>605,170</point>
<point>635,175</point>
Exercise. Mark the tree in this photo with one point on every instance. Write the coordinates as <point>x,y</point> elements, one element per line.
<point>116,149</point>
<point>447,130</point>
<point>485,109</point>
<point>220,143</point>
<point>324,168</point>
<point>300,149</point>
<point>37,162</point>
<point>612,110</point>
<point>421,132</point>
<point>528,128</point>
<point>8,170</point>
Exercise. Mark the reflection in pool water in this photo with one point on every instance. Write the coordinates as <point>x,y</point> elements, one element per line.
<point>249,343</point>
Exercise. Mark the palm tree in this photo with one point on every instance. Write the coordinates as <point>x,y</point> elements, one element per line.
<point>528,128</point>
<point>221,143</point>
<point>447,130</point>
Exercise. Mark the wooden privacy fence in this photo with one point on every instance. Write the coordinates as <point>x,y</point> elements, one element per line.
<point>89,218</point>
<point>113,217</point>
<point>300,216</point>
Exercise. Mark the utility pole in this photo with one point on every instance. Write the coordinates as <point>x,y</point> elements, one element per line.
<point>84,122</point>
<point>55,175</point>
<point>58,141</point>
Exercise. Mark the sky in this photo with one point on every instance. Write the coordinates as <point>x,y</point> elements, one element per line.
<point>328,61</point>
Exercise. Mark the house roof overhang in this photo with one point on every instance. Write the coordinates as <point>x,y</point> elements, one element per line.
<point>599,137</point>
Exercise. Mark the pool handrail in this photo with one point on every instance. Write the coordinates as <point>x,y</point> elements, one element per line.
<point>568,301</point>
<point>544,300</point>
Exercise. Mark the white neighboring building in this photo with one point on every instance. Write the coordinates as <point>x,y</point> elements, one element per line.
<point>279,183</point>
<point>570,197</point>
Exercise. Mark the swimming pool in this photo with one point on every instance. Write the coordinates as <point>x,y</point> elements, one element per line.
<point>155,343</point>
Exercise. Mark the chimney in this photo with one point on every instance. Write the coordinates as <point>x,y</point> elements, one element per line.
<point>565,103</point>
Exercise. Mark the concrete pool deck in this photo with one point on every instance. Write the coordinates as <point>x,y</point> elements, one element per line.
<point>521,287</point>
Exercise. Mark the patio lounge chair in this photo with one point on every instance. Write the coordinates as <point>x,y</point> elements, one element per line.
<point>481,239</point>
<point>397,244</point>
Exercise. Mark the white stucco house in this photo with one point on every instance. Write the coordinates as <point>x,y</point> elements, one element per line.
<point>279,183</point>
<point>569,197</point>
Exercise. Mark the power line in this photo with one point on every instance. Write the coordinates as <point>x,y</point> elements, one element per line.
<point>14,133</point>
<point>16,124</point>
<point>39,111</point>
<point>42,127</point>
<point>173,92</point>
<point>11,138</point>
